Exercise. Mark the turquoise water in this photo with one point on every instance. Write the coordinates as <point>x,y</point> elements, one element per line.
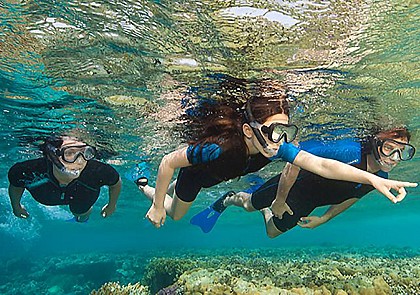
<point>114,73</point>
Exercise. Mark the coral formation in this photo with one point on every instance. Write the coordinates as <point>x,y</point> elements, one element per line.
<point>291,273</point>
<point>113,288</point>
<point>309,271</point>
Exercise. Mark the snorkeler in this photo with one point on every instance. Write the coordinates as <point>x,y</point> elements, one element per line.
<point>66,175</point>
<point>235,141</point>
<point>298,193</point>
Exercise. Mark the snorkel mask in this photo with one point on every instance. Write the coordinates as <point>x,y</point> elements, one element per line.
<point>69,154</point>
<point>275,132</point>
<point>395,150</point>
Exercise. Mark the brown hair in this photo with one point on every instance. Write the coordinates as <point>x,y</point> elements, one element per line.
<point>218,121</point>
<point>394,133</point>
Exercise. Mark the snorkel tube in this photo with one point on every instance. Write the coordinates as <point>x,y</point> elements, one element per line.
<point>52,153</point>
<point>250,120</point>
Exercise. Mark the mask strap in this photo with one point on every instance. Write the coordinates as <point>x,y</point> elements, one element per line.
<point>259,137</point>
<point>52,156</point>
<point>250,118</point>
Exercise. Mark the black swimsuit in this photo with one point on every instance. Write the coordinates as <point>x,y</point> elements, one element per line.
<point>309,192</point>
<point>80,194</point>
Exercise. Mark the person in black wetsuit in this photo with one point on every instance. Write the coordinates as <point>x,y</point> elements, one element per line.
<point>66,175</point>
<point>237,139</point>
<point>298,193</point>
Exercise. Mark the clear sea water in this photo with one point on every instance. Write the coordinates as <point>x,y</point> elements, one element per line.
<point>114,73</point>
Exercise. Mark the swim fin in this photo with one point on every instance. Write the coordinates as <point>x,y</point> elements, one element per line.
<point>141,169</point>
<point>207,218</point>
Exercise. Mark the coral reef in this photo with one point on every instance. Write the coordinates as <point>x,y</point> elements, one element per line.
<point>309,271</point>
<point>289,273</point>
<point>113,288</point>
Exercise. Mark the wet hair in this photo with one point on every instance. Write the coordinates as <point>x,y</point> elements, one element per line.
<point>219,118</point>
<point>382,134</point>
<point>394,133</point>
<point>54,141</point>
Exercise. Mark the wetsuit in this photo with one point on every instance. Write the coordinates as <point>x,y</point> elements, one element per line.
<point>310,190</point>
<point>37,177</point>
<point>212,164</point>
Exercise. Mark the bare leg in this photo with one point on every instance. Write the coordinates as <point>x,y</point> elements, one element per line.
<point>240,199</point>
<point>175,207</point>
<point>171,189</point>
<point>179,208</point>
<point>84,216</point>
<point>270,228</point>
<point>149,192</point>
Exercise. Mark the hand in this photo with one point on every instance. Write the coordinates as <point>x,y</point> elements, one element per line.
<point>279,207</point>
<point>20,212</point>
<point>156,216</point>
<point>107,210</point>
<point>310,221</point>
<point>385,185</point>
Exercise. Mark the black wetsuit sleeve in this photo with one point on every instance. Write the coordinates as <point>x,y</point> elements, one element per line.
<point>16,175</point>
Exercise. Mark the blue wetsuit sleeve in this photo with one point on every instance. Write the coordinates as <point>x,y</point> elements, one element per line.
<point>198,154</point>
<point>287,152</point>
<point>347,151</point>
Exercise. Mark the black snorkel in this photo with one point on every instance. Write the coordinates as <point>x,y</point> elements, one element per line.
<point>373,148</point>
<point>250,119</point>
<point>51,152</point>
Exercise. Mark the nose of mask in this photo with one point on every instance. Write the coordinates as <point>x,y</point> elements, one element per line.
<point>395,157</point>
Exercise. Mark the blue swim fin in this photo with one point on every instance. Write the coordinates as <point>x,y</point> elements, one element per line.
<point>141,170</point>
<point>207,218</point>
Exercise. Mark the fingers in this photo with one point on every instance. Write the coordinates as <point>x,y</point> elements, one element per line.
<point>401,194</point>
<point>303,224</point>
<point>155,223</point>
<point>24,215</point>
<point>408,184</point>
<point>103,211</point>
<point>389,195</point>
<point>289,211</point>
<point>279,216</point>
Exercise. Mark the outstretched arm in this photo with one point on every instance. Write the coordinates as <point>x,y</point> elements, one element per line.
<point>336,170</point>
<point>334,210</point>
<point>114,193</point>
<point>15,195</point>
<point>287,179</point>
<point>170,162</point>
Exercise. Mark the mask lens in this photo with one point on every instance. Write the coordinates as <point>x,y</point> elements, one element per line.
<point>281,130</point>
<point>391,147</point>
<point>407,153</point>
<point>89,153</point>
<point>70,154</point>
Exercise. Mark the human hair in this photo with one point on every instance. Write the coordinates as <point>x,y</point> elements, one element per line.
<point>55,141</point>
<point>221,118</point>
<point>394,133</point>
<point>369,143</point>
<point>268,98</point>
